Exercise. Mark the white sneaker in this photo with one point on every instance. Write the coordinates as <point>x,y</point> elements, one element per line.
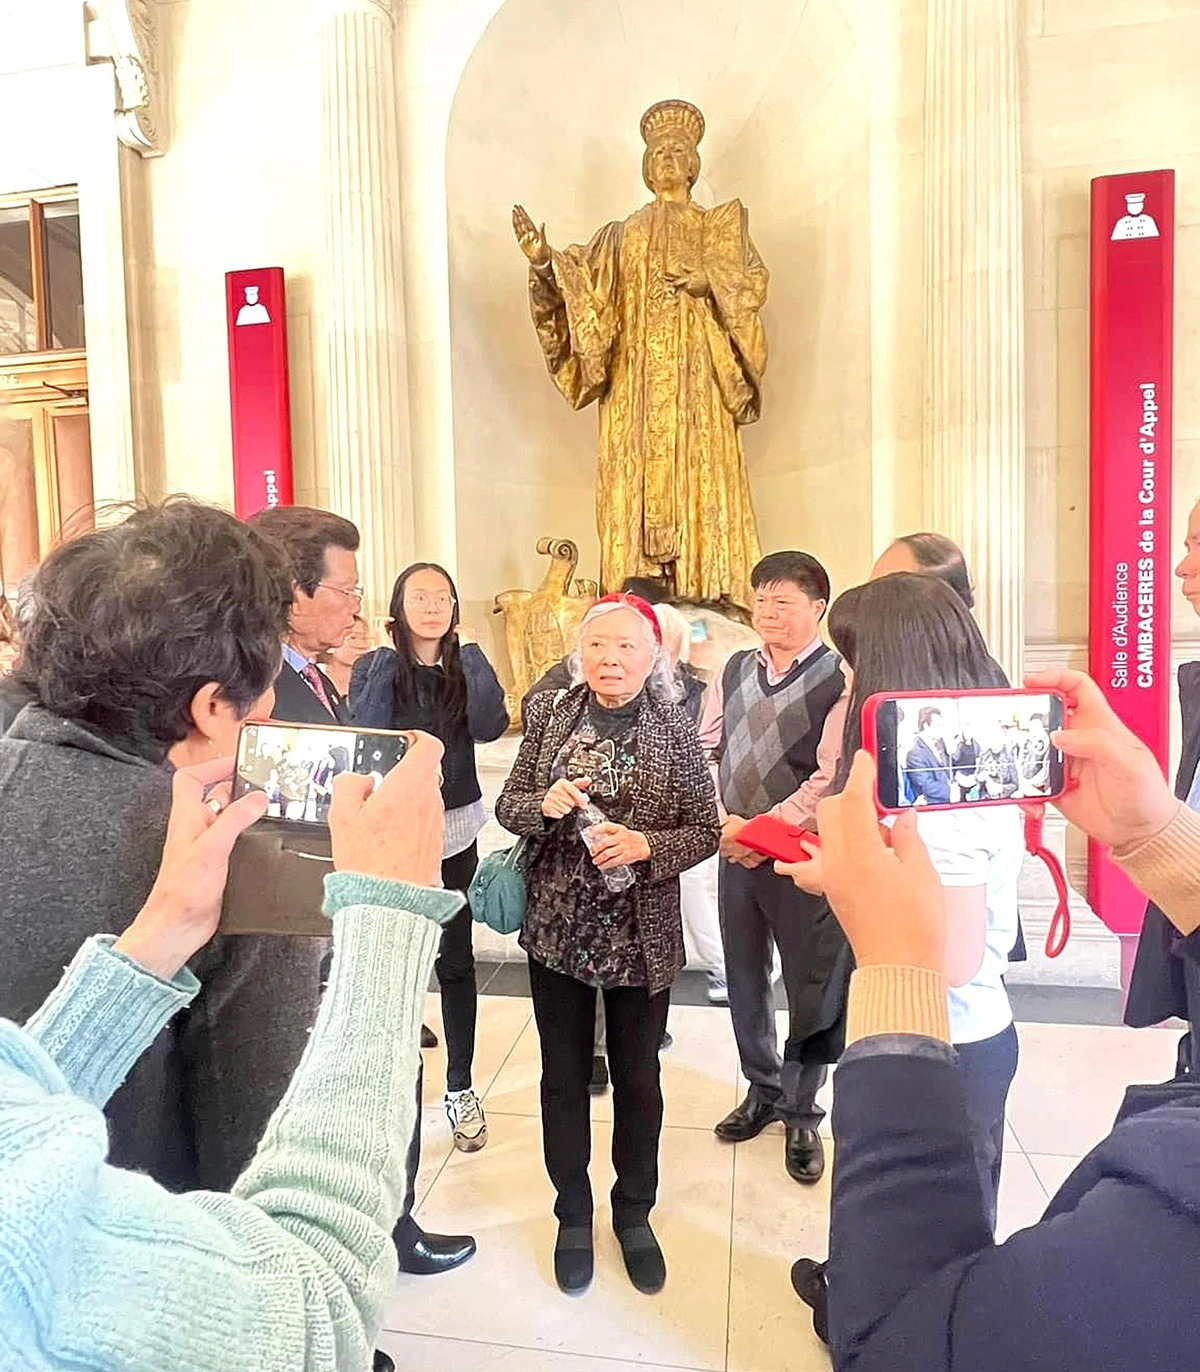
<point>466,1120</point>
<point>718,990</point>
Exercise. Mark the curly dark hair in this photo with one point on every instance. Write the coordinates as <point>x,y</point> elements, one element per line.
<point>120,628</point>
<point>305,533</point>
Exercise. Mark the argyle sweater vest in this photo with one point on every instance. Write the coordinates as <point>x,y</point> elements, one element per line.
<point>772,732</point>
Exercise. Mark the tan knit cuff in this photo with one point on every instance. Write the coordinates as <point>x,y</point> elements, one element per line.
<point>1167,868</point>
<point>897,1000</point>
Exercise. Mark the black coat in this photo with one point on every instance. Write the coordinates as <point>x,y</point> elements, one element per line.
<point>1156,989</point>
<point>929,772</point>
<point>296,702</point>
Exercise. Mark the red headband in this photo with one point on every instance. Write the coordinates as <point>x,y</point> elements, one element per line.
<point>635,602</point>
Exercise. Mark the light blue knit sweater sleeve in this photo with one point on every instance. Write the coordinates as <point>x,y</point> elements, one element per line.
<point>103,1268</point>
<point>103,1015</point>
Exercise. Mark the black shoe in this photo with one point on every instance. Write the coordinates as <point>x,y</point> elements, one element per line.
<point>812,1286</point>
<point>667,1041</point>
<point>599,1082</point>
<point>573,1258</point>
<point>382,1362</point>
<point>428,1038</point>
<point>747,1121</point>
<point>425,1255</point>
<point>804,1154</point>
<point>644,1259</point>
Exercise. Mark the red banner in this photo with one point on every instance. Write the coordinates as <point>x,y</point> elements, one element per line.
<point>256,319</point>
<point>1133,243</point>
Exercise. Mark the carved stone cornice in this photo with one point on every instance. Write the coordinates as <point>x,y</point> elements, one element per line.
<point>132,50</point>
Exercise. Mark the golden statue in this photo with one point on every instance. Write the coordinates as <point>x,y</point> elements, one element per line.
<point>657,318</point>
<point>541,626</point>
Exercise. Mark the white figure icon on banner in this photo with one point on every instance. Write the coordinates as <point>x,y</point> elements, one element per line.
<point>253,311</point>
<point>1135,223</point>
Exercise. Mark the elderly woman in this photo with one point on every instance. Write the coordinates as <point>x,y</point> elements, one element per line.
<point>617,742</point>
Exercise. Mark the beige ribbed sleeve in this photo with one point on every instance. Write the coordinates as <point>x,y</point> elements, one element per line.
<point>897,1000</point>
<point>1167,868</point>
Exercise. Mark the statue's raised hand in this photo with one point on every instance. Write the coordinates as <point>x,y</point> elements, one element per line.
<point>531,238</point>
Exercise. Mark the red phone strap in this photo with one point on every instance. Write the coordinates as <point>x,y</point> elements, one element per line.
<point>1060,925</point>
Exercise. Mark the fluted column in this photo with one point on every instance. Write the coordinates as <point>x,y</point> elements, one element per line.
<point>974,440</point>
<point>366,388</point>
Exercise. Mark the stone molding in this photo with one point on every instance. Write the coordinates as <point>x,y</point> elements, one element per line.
<point>133,52</point>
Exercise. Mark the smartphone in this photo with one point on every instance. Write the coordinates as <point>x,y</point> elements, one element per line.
<point>955,750</point>
<point>774,839</point>
<point>295,764</point>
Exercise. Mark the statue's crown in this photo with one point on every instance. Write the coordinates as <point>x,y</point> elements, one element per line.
<point>676,116</point>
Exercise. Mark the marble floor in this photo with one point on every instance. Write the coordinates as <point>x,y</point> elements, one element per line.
<point>729,1218</point>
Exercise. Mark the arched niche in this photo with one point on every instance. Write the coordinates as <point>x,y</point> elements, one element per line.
<point>547,113</point>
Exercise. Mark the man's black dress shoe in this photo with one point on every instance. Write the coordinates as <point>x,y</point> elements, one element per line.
<point>812,1286</point>
<point>425,1255</point>
<point>428,1038</point>
<point>804,1154</point>
<point>746,1122</point>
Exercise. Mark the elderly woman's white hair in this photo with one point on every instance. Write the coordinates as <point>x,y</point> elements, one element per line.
<point>663,682</point>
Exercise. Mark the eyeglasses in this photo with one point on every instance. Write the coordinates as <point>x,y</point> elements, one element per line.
<point>351,593</point>
<point>423,600</point>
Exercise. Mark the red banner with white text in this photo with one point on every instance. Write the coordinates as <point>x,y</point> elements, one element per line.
<point>260,409</point>
<point>1132,298</point>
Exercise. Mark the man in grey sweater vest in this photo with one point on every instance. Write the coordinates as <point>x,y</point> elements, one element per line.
<point>773,726</point>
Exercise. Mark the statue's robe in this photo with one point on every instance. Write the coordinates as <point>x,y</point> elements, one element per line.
<point>674,376</point>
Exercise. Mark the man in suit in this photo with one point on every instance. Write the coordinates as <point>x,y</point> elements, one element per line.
<point>1166,974</point>
<point>927,766</point>
<point>326,597</point>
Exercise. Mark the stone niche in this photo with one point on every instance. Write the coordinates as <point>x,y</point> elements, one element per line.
<point>547,113</point>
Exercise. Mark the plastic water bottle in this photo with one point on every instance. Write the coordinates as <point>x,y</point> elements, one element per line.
<point>615,878</point>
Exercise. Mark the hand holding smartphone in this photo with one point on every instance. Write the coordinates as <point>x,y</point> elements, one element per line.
<point>956,750</point>
<point>295,764</point>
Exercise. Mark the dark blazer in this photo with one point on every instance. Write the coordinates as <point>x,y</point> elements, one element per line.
<point>916,1280</point>
<point>929,772</point>
<point>673,804</point>
<point>1157,989</point>
<point>296,702</point>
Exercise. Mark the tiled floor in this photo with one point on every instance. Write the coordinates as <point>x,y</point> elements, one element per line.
<point>730,1220</point>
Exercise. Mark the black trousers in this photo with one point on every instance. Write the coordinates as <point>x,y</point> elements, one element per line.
<point>565,1011</point>
<point>987,1069</point>
<point>760,911</point>
<point>455,968</point>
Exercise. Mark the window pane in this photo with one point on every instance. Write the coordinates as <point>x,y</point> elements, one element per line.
<point>19,552</point>
<point>64,277</point>
<point>73,456</point>
<point>18,322</point>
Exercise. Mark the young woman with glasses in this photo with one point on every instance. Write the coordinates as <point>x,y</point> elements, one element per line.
<point>432,681</point>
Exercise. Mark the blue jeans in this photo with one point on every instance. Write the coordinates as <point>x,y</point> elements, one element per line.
<point>987,1069</point>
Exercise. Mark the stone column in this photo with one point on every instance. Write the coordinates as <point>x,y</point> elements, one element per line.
<point>366,387</point>
<point>974,436</point>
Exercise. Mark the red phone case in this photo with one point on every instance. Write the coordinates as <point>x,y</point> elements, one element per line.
<point>870,741</point>
<point>774,839</point>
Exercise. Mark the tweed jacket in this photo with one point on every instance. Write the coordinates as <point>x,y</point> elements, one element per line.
<point>673,804</point>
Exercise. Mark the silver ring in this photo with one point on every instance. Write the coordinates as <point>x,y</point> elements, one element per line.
<point>214,805</point>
